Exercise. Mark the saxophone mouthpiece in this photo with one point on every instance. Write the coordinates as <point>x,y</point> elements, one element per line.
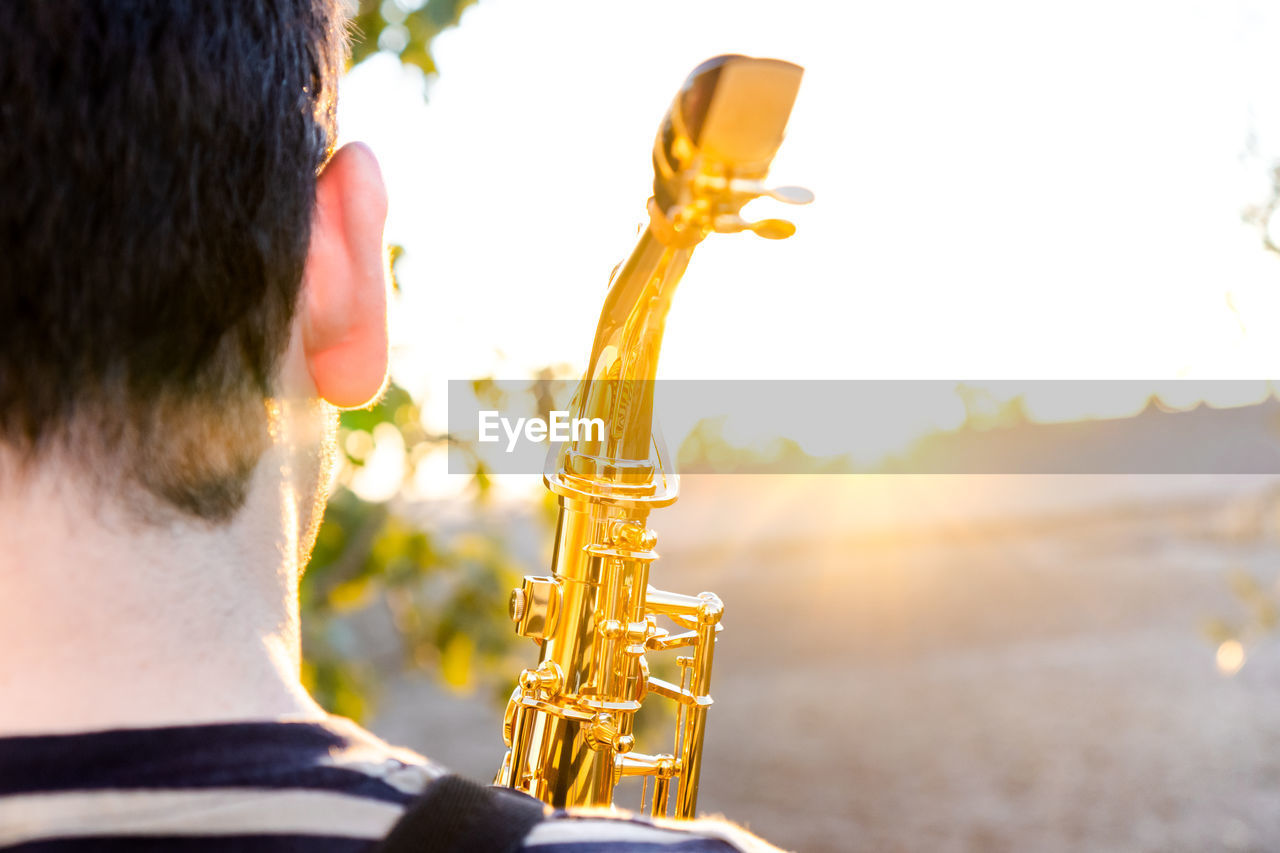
<point>716,144</point>
<point>733,109</point>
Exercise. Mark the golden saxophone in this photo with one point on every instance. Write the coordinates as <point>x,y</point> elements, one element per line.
<point>569,725</point>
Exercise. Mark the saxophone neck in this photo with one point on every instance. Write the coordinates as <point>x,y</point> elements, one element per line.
<point>629,332</point>
<point>618,384</point>
<point>712,152</point>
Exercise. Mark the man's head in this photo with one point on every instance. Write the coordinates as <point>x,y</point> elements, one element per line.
<point>159,212</point>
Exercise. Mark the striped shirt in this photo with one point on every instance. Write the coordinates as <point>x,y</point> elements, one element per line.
<point>316,787</point>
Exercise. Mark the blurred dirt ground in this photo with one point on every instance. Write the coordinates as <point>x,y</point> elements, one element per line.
<point>1038,684</point>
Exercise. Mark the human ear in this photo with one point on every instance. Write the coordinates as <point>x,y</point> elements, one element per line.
<point>344,287</point>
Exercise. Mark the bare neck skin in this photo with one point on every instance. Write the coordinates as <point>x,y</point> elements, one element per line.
<point>108,623</point>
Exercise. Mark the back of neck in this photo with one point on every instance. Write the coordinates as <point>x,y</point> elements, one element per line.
<point>107,621</point>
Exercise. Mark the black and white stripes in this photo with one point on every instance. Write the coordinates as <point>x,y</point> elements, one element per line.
<point>303,787</point>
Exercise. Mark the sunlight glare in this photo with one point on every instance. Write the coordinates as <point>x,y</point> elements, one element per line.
<point>1230,657</point>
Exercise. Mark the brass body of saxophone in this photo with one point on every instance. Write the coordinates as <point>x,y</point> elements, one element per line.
<point>569,724</point>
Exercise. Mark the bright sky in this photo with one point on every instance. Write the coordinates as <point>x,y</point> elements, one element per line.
<point>1005,189</point>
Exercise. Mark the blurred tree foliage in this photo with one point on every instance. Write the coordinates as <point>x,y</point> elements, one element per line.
<point>1261,216</point>
<point>404,28</point>
<point>443,593</point>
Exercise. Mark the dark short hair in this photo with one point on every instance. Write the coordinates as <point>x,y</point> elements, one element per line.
<point>158,161</point>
